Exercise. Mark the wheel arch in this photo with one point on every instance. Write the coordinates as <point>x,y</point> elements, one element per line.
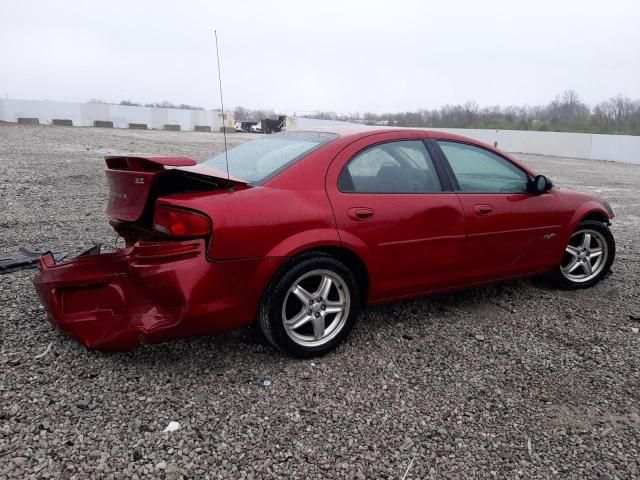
<point>347,256</point>
<point>597,216</point>
<point>588,211</point>
<point>591,210</point>
<point>352,260</point>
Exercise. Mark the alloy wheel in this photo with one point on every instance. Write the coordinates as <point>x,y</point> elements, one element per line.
<point>316,308</point>
<point>585,256</point>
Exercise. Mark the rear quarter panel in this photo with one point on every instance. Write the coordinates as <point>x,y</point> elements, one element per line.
<point>288,214</point>
<point>262,221</point>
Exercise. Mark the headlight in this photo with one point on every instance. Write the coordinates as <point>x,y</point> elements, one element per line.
<point>609,209</point>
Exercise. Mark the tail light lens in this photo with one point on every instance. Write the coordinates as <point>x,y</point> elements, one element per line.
<point>181,223</point>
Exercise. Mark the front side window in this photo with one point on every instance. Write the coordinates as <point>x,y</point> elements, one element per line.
<point>394,167</point>
<point>258,160</point>
<point>479,170</point>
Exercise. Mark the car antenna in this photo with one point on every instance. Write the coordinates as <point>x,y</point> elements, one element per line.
<point>224,128</point>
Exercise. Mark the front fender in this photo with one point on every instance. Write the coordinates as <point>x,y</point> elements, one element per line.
<point>586,209</point>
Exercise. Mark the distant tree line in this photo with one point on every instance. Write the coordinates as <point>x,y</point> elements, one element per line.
<point>566,113</point>
<point>241,114</point>
<point>164,104</point>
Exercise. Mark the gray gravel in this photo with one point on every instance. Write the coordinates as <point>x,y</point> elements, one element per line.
<point>510,381</point>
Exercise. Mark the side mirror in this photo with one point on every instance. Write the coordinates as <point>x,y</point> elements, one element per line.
<point>541,184</point>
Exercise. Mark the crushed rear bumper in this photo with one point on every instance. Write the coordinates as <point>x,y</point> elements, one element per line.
<point>147,293</point>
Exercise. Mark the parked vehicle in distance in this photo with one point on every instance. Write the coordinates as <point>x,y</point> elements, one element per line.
<point>311,226</point>
<point>245,127</point>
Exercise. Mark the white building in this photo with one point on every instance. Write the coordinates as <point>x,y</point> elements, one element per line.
<point>85,114</point>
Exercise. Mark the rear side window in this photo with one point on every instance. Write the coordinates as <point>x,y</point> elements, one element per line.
<point>479,170</point>
<point>258,160</point>
<point>394,167</point>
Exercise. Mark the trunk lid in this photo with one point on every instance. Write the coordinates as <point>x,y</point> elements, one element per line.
<point>136,182</point>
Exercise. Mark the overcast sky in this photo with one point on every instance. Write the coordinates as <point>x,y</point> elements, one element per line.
<point>343,56</point>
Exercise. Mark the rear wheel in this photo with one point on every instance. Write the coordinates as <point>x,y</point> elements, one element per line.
<point>588,256</point>
<point>310,307</point>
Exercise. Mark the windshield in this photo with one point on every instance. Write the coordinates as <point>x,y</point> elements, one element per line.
<point>258,160</point>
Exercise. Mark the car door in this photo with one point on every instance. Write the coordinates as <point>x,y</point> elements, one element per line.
<point>510,231</point>
<point>394,206</point>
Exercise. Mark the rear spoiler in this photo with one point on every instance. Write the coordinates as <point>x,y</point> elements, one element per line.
<point>186,164</point>
<point>147,163</point>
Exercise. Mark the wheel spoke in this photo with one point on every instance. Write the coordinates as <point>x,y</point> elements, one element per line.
<point>586,266</point>
<point>318,327</point>
<point>334,307</point>
<point>299,320</point>
<point>304,296</point>
<point>595,252</point>
<point>573,264</point>
<point>586,243</point>
<point>573,251</point>
<point>325,287</point>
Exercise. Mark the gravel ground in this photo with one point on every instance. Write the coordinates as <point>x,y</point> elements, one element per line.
<point>511,381</point>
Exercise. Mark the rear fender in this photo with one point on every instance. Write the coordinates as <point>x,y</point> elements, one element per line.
<point>306,240</point>
<point>362,250</point>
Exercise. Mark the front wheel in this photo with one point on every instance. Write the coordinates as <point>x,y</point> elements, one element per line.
<point>310,307</point>
<point>588,256</point>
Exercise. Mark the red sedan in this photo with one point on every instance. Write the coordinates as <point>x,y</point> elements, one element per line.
<point>311,226</point>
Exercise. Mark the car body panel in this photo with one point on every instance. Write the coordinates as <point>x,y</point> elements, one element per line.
<point>260,221</point>
<point>511,233</point>
<point>414,240</point>
<point>155,290</point>
<point>150,293</point>
<point>579,205</point>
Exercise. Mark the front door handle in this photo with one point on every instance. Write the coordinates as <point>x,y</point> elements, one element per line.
<point>360,213</point>
<point>483,209</point>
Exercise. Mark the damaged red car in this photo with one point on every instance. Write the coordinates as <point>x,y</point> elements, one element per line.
<point>310,226</point>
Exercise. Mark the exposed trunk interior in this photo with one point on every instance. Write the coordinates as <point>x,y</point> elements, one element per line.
<point>136,183</point>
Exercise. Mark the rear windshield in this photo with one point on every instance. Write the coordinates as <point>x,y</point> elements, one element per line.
<point>258,160</point>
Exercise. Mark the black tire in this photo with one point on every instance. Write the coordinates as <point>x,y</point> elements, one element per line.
<point>271,317</point>
<point>563,280</point>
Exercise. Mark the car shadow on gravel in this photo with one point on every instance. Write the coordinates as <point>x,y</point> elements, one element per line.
<point>208,349</point>
<point>507,296</point>
<point>247,345</point>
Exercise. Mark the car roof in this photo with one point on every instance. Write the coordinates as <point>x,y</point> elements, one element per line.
<point>356,131</point>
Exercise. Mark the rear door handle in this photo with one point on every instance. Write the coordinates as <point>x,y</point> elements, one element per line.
<point>483,209</point>
<point>360,213</point>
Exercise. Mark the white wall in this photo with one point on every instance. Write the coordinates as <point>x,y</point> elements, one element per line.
<point>619,148</point>
<point>574,145</point>
<point>84,114</point>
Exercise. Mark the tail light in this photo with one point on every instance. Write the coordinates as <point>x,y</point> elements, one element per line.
<point>181,223</point>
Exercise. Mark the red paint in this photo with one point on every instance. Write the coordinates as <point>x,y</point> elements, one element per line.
<point>147,163</point>
<point>179,223</point>
<point>410,244</point>
<point>150,293</point>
